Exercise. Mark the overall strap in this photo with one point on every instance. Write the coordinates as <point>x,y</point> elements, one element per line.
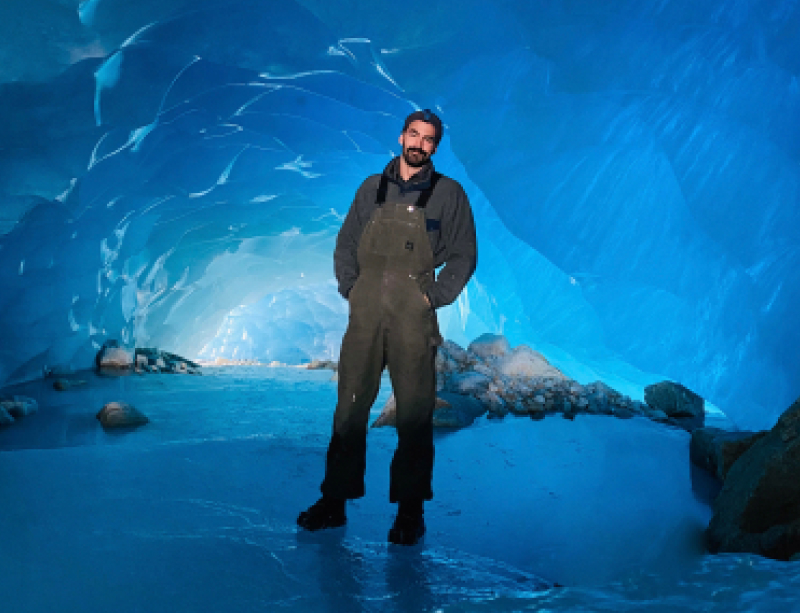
<point>422,201</point>
<point>382,187</point>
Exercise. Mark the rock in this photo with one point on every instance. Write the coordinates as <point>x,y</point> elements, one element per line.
<point>674,399</point>
<point>150,359</point>
<point>469,382</point>
<point>120,415</point>
<point>523,361</point>
<point>600,388</point>
<point>20,406</point>
<point>716,450</point>
<point>484,369</point>
<point>493,402</point>
<point>454,352</point>
<point>488,346</point>
<point>450,411</point>
<point>321,364</point>
<point>758,508</point>
<point>445,364</point>
<point>175,358</point>
<point>112,356</point>
<point>456,411</point>
<point>388,414</point>
<point>5,417</point>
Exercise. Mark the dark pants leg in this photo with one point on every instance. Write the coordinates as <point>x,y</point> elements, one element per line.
<point>361,362</point>
<point>411,354</point>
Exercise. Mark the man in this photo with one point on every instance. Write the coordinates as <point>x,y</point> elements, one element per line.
<point>402,225</point>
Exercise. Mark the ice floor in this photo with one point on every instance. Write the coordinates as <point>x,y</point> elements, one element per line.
<point>195,511</point>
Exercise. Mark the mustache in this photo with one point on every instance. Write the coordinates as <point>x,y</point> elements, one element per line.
<point>415,150</point>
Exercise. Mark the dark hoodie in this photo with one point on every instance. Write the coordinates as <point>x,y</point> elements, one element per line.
<point>451,230</point>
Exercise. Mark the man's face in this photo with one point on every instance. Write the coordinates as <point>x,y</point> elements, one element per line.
<point>419,144</point>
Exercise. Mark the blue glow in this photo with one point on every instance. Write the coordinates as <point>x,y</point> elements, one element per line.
<point>634,173</point>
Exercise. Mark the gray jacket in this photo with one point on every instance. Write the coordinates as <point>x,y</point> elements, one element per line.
<point>451,230</point>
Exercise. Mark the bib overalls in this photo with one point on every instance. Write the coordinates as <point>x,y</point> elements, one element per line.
<point>390,325</point>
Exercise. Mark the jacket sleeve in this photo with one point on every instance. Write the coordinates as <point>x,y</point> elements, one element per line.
<point>461,252</point>
<point>345,260</point>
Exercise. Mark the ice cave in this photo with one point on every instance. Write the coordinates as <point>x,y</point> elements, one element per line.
<point>174,176</point>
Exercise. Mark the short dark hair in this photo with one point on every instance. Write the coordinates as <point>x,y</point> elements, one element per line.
<point>428,117</point>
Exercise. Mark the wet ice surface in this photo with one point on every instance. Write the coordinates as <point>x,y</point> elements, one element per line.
<point>195,511</point>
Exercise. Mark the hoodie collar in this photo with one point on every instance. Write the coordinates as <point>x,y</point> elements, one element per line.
<point>419,181</point>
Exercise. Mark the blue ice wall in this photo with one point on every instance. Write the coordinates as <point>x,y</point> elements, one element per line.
<point>633,167</point>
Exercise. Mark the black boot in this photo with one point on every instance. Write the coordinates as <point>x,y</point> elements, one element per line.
<point>409,526</point>
<point>324,513</point>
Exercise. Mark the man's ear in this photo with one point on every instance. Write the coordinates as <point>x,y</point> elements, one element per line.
<point>400,139</point>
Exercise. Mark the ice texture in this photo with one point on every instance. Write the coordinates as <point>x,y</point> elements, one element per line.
<point>633,169</point>
<point>196,510</point>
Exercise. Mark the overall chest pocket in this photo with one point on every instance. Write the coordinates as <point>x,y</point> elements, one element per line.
<point>433,227</point>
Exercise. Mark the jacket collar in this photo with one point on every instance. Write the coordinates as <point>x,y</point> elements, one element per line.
<point>419,181</point>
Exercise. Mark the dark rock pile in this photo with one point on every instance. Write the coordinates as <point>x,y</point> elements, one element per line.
<point>111,358</point>
<point>521,381</point>
<point>157,361</point>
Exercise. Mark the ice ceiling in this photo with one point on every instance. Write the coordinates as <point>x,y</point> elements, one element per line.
<point>633,167</point>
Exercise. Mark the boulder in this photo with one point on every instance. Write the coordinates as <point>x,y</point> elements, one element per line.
<point>120,415</point>
<point>716,450</point>
<point>758,508</point>
<point>675,400</point>
<point>523,361</point>
<point>488,346</point>
<point>113,357</point>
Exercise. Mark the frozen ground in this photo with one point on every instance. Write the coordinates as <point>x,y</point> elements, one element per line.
<point>195,512</point>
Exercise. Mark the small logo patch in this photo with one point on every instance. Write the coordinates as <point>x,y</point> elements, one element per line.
<point>411,208</point>
<point>409,245</point>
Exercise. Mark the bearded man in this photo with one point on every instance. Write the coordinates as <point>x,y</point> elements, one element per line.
<point>403,225</point>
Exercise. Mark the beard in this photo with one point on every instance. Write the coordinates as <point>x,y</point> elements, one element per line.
<point>416,158</point>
